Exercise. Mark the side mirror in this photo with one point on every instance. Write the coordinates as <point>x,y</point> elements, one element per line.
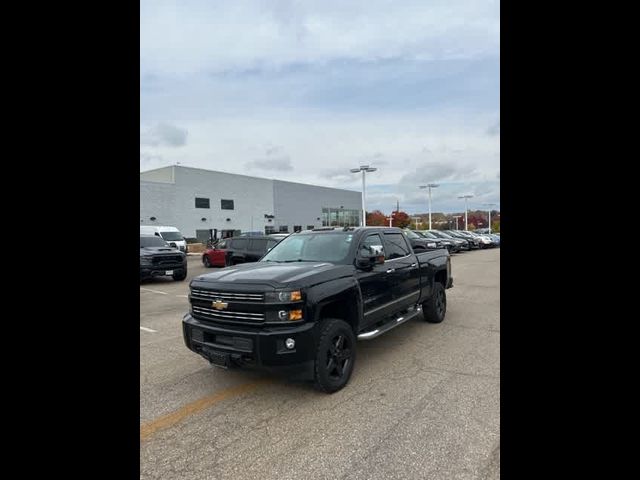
<point>368,258</point>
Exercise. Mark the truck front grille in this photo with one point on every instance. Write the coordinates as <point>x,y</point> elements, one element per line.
<point>208,313</point>
<point>226,296</point>
<point>167,260</point>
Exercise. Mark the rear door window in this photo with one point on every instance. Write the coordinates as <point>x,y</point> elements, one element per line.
<point>240,243</point>
<point>396,246</point>
<point>258,245</point>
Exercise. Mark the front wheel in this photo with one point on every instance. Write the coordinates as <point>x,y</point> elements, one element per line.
<point>435,308</point>
<point>180,276</point>
<point>206,261</point>
<point>335,355</point>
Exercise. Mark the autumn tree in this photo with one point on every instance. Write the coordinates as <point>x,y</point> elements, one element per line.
<point>401,219</point>
<point>377,219</point>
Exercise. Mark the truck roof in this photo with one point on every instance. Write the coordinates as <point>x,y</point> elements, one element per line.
<point>349,229</point>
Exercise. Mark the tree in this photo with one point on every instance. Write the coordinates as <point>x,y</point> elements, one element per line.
<point>401,219</point>
<point>377,219</point>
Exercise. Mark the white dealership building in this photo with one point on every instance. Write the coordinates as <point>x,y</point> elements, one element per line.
<point>199,201</point>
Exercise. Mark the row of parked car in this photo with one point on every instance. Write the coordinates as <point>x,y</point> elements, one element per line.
<point>453,240</point>
<point>250,248</point>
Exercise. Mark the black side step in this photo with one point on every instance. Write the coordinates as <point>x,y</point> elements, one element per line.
<point>413,312</point>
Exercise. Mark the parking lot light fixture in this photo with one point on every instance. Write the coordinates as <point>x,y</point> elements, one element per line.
<point>489,205</point>
<point>429,186</point>
<point>466,209</point>
<point>364,169</point>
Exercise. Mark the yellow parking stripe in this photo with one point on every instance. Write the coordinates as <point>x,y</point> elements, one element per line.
<point>173,418</point>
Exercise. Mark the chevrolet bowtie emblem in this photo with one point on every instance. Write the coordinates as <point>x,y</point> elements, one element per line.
<point>219,305</point>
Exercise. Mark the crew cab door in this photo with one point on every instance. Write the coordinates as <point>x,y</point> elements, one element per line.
<point>374,285</point>
<point>403,271</point>
<point>257,248</point>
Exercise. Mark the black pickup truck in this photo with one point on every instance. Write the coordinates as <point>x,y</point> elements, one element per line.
<point>308,300</point>
<point>158,259</point>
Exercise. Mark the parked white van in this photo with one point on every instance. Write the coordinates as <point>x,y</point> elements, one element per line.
<point>169,234</point>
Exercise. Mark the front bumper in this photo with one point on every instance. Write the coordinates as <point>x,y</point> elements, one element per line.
<point>147,271</point>
<point>251,347</point>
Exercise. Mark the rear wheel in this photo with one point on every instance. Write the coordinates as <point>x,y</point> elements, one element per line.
<point>435,308</point>
<point>335,355</point>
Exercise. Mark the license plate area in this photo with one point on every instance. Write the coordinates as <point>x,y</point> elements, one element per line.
<point>219,359</point>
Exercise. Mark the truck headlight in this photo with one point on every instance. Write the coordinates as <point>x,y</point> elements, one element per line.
<point>284,296</point>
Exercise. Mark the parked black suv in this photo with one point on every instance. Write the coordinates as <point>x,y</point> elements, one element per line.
<point>158,258</point>
<point>304,304</point>
<point>247,249</point>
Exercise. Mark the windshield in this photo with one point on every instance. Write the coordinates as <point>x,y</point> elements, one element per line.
<point>318,247</point>
<point>171,236</point>
<point>441,235</point>
<point>411,234</point>
<point>152,242</point>
<point>430,235</point>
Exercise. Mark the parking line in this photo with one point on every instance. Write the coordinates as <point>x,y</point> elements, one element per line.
<point>153,291</point>
<point>189,409</point>
<point>148,329</point>
<point>183,296</point>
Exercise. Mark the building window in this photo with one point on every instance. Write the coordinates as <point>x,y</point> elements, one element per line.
<point>297,228</point>
<point>202,202</point>
<point>226,204</point>
<point>339,217</point>
<point>268,230</point>
<point>310,227</point>
<point>284,228</point>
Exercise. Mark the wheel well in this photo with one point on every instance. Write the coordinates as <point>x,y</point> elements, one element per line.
<point>344,310</point>
<point>441,277</point>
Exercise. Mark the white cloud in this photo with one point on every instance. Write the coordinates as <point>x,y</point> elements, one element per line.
<point>163,134</point>
<point>182,37</point>
<point>304,91</point>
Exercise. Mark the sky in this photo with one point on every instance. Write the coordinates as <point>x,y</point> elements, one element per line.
<point>306,90</point>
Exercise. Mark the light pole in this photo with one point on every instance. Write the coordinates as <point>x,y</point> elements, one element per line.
<point>489,205</point>
<point>456,217</point>
<point>466,209</point>
<point>429,186</point>
<point>363,169</point>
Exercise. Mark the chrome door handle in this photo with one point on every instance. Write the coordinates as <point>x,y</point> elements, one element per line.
<point>414,264</point>
<point>391,270</point>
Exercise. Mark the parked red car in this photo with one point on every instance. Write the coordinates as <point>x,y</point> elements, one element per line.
<point>232,251</point>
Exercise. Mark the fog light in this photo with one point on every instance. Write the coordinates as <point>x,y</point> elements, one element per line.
<point>295,315</point>
<point>289,343</point>
<point>283,315</point>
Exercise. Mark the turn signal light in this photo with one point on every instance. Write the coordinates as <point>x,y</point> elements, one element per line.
<point>296,296</point>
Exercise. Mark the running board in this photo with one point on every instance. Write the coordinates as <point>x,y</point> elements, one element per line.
<point>392,324</point>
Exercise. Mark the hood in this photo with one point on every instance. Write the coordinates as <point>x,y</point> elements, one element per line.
<point>277,275</point>
<point>154,250</point>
